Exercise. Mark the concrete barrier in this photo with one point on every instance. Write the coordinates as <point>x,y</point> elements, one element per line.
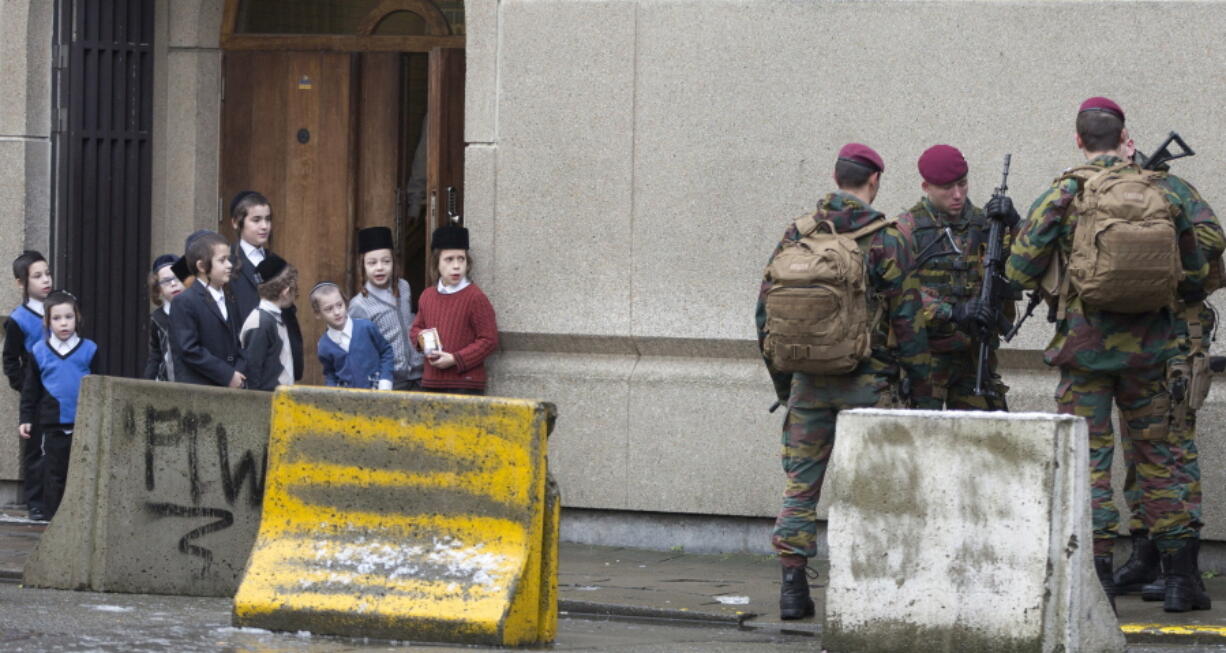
<point>962,532</point>
<point>406,516</point>
<point>165,485</point>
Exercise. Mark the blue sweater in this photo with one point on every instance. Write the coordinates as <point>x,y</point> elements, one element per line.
<point>50,393</point>
<point>368,360</point>
<point>23,328</point>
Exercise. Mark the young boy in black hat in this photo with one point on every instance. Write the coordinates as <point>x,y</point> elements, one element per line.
<point>165,283</point>
<point>460,315</point>
<point>386,299</point>
<point>266,340</point>
<point>251,216</point>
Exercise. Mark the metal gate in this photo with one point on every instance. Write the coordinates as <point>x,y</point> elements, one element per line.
<point>103,99</point>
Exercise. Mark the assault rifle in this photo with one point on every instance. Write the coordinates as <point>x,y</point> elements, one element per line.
<point>1163,155</point>
<point>994,292</point>
<point>1160,159</point>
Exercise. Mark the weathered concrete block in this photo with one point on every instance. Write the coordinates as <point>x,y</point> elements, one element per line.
<point>962,532</point>
<point>165,486</point>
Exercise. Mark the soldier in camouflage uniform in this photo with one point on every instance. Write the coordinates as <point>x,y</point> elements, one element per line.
<point>947,235</point>
<point>1194,322</point>
<point>813,402</point>
<point>1105,356</point>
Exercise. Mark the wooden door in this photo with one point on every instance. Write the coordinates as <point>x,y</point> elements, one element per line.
<point>288,131</point>
<point>445,129</point>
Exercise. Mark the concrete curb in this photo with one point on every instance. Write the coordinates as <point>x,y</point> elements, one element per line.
<point>1186,635</point>
<point>613,610</point>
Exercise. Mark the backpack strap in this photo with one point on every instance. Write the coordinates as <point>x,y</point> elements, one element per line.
<point>806,224</point>
<point>1196,330</point>
<point>871,227</point>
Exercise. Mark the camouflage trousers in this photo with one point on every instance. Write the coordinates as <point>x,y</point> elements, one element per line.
<point>1167,490</point>
<point>1186,451</point>
<point>953,376</point>
<point>808,439</point>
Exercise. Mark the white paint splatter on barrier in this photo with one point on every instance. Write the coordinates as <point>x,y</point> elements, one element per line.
<point>447,554</point>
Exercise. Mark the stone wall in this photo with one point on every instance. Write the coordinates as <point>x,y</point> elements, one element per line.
<point>632,163</point>
<point>25,168</point>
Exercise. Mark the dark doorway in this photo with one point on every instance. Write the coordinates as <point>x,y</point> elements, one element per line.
<point>102,149</point>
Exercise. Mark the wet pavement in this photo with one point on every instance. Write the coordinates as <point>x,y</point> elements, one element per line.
<point>610,599</point>
<point>38,620</point>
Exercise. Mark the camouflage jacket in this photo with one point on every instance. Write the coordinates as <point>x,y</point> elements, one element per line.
<point>886,262</point>
<point>1089,339</point>
<point>946,275</point>
<point>1209,237</point>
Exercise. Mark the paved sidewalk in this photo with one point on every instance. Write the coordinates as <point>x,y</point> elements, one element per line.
<point>719,590</point>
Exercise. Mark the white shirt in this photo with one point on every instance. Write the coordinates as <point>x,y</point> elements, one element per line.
<point>342,336</point>
<point>35,305</point>
<point>253,253</point>
<point>166,307</point>
<point>219,296</point>
<point>444,289</point>
<point>64,347</point>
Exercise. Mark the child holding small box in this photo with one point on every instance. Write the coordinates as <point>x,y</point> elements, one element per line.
<point>455,325</point>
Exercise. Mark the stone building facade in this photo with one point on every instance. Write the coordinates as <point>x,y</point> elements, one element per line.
<point>629,164</point>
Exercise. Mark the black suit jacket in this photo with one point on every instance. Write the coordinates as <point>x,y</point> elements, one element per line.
<point>204,344</point>
<point>246,293</point>
<point>159,342</point>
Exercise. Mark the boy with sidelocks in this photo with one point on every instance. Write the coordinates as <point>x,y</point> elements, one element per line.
<point>386,300</point>
<point>22,330</point>
<point>352,351</point>
<point>267,341</point>
<point>57,364</point>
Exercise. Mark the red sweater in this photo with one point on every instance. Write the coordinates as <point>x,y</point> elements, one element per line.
<point>467,330</point>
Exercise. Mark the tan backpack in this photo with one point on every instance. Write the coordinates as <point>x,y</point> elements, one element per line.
<point>817,314</point>
<point>1125,255</point>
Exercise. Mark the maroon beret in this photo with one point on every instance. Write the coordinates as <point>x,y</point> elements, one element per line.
<point>1102,104</point>
<point>863,155</point>
<point>942,164</point>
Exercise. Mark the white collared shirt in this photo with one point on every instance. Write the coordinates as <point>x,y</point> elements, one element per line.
<point>219,296</point>
<point>35,305</point>
<point>271,308</point>
<point>342,336</point>
<point>64,347</point>
<point>166,307</point>
<point>444,289</point>
<point>253,253</point>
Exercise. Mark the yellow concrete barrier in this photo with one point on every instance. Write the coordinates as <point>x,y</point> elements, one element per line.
<point>406,516</point>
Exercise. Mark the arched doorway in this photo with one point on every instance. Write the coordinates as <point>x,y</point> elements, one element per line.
<point>346,114</point>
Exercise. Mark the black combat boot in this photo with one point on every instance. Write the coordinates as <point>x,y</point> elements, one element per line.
<point>1155,591</point>
<point>794,601</point>
<point>1185,590</point>
<point>1102,566</point>
<point>1141,568</point>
